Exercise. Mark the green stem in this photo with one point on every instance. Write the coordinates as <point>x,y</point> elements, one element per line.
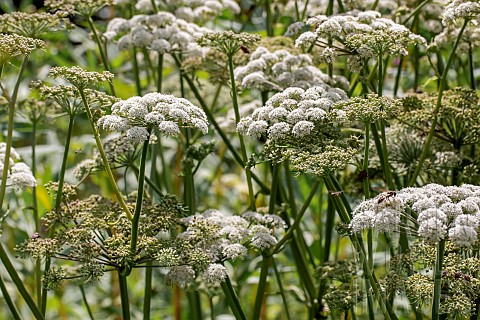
<point>442,84</point>
<point>8,148</point>
<point>136,74</point>
<point>298,219</point>
<point>138,205</point>
<point>273,190</point>
<point>111,178</point>
<point>38,268</point>
<point>473,84</point>
<point>398,76</point>
<point>63,168</point>
<point>251,195</point>
<point>147,296</point>
<point>19,284</point>
<point>359,247</point>
<point>122,281</point>
<point>262,285</point>
<point>214,122</point>
<point>297,11</point>
<point>278,276</point>
<point>103,54</point>
<point>8,300</point>
<point>150,183</point>
<point>84,297</point>
<point>438,281</point>
<point>269,17</point>
<point>232,300</point>
<point>159,72</point>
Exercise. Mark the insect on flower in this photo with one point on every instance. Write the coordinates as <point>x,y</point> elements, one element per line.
<point>387,196</point>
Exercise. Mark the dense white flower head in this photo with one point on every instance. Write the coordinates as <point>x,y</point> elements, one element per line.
<point>460,9</point>
<point>470,37</point>
<point>440,213</point>
<point>362,33</point>
<point>278,70</point>
<point>19,174</point>
<point>223,237</point>
<point>294,113</point>
<point>303,126</point>
<point>166,113</point>
<point>191,10</point>
<point>162,32</point>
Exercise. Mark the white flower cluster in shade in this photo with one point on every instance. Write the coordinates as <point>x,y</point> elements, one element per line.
<point>461,9</point>
<point>276,71</point>
<point>19,174</point>
<point>364,34</point>
<point>432,212</point>
<point>161,32</point>
<point>295,114</point>
<point>191,10</point>
<point>470,38</point>
<point>120,152</point>
<point>318,7</point>
<point>223,237</point>
<point>166,113</point>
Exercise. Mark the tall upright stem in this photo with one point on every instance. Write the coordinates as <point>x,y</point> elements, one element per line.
<point>438,281</point>
<point>103,54</point>
<point>8,149</point>
<point>441,88</point>
<point>248,173</point>
<point>38,268</point>
<point>122,281</point>
<point>19,284</point>
<point>111,178</point>
<point>138,205</point>
<point>269,18</point>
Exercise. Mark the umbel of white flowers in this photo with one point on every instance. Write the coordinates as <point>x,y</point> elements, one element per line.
<point>138,115</point>
<point>19,174</point>
<point>433,213</point>
<point>278,70</point>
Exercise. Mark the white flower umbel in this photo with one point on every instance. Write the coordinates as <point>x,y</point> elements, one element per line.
<point>278,70</point>
<point>166,113</point>
<point>161,32</point>
<point>303,126</point>
<point>19,174</point>
<point>191,11</point>
<point>220,237</point>
<point>432,213</point>
<point>363,34</point>
<point>460,9</point>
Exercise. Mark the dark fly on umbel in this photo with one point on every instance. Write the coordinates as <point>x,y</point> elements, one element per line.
<point>387,196</point>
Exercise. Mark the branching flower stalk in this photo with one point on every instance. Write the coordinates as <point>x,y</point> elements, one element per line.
<point>441,88</point>
<point>98,142</point>
<point>359,247</point>
<point>243,149</point>
<point>11,114</point>
<point>101,50</point>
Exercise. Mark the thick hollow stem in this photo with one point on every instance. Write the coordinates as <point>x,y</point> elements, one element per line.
<point>122,281</point>
<point>262,285</point>
<point>438,281</point>
<point>19,284</point>
<point>138,205</point>
<point>232,300</point>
